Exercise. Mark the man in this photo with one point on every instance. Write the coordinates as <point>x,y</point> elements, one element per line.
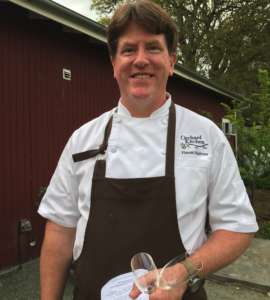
<point>117,191</point>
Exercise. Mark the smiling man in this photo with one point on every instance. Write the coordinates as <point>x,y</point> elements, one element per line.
<point>125,183</point>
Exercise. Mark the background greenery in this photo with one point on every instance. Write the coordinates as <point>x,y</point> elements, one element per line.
<point>224,40</point>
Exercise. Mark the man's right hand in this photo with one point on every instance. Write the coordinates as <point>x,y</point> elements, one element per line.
<point>56,256</point>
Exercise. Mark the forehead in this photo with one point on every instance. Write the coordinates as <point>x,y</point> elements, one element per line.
<point>135,34</point>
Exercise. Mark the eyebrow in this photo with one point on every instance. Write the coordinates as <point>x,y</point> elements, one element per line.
<point>154,42</point>
<point>127,44</point>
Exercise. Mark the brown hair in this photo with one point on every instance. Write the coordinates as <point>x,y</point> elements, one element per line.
<point>145,14</point>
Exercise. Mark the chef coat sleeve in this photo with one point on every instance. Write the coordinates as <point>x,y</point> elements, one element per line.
<point>60,202</point>
<point>229,205</point>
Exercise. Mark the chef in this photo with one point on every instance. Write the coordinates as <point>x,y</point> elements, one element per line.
<point>141,177</point>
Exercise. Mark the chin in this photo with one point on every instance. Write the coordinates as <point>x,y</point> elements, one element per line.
<point>141,95</point>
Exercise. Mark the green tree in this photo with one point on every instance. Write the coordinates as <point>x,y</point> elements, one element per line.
<point>208,115</point>
<point>225,40</point>
<point>253,143</point>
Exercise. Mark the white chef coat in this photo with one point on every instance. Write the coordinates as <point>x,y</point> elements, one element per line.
<point>206,172</point>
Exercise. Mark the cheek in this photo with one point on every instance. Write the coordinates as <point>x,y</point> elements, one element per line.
<point>164,66</point>
<point>123,72</point>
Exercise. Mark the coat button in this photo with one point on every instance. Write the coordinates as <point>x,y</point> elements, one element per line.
<point>118,120</point>
<point>163,151</point>
<point>113,149</point>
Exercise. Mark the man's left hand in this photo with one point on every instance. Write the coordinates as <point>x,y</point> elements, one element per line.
<point>160,294</point>
<point>176,271</point>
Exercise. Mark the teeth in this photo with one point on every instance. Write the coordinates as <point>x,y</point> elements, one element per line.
<point>142,76</point>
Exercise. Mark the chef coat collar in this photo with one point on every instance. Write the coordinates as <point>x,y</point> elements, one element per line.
<point>122,110</point>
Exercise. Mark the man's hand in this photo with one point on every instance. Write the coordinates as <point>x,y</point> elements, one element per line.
<point>222,248</point>
<point>160,294</point>
<point>55,260</point>
<point>172,276</point>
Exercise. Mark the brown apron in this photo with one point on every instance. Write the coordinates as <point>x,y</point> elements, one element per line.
<point>128,216</point>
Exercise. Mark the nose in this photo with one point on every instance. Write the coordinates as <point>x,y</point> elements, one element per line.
<point>141,58</point>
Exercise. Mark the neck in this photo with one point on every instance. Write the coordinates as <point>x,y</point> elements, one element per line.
<point>141,108</point>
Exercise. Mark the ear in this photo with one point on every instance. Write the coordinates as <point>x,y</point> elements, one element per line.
<point>172,63</point>
<point>113,64</point>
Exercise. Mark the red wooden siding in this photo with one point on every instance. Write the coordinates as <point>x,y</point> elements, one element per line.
<point>39,111</point>
<point>194,98</point>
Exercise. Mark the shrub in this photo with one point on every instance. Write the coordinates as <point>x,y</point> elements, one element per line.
<point>263,182</point>
<point>42,191</point>
<point>265,229</point>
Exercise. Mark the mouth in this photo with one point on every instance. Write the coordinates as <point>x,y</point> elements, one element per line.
<point>142,76</point>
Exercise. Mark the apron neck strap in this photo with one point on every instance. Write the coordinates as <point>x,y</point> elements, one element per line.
<point>102,148</point>
<point>169,169</point>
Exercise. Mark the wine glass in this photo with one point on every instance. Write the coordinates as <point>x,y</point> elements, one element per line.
<point>175,273</point>
<point>145,273</point>
<point>180,270</point>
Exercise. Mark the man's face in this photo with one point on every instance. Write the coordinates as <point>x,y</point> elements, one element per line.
<point>142,66</point>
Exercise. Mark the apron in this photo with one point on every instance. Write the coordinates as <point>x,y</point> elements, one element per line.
<point>128,216</point>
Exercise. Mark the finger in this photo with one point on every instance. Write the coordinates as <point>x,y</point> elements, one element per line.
<point>160,294</point>
<point>135,292</point>
<point>174,294</point>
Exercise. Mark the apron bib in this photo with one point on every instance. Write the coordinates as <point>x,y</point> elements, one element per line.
<point>128,216</point>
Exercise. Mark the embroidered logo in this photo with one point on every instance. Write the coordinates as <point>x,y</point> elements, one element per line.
<point>192,143</point>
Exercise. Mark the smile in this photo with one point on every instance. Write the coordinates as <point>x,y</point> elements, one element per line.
<point>142,76</point>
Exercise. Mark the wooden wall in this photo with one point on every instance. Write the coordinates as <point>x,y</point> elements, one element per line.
<point>39,110</point>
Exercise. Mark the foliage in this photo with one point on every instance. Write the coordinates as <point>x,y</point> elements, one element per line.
<point>263,182</point>
<point>226,40</point>
<point>265,229</point>
<point>41,193</point>
<point>253,146</point>
<point>104,20</point>
<point>208,115</point>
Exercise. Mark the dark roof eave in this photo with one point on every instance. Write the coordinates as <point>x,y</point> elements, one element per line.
<point>191,75</point>
<point>65,16</point>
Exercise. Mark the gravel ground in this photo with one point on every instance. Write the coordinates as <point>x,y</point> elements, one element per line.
<point>24,285</point>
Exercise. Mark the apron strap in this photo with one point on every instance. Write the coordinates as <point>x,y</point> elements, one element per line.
<point>169,170</point>
<point>100,168</point>
<point>170,148</point>
<point>102,148</point>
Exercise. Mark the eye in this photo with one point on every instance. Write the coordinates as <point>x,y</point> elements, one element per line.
<point>128,51</point>
<point>154,49</point>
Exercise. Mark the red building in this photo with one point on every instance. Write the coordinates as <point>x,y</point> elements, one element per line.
<point>39,108</point>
